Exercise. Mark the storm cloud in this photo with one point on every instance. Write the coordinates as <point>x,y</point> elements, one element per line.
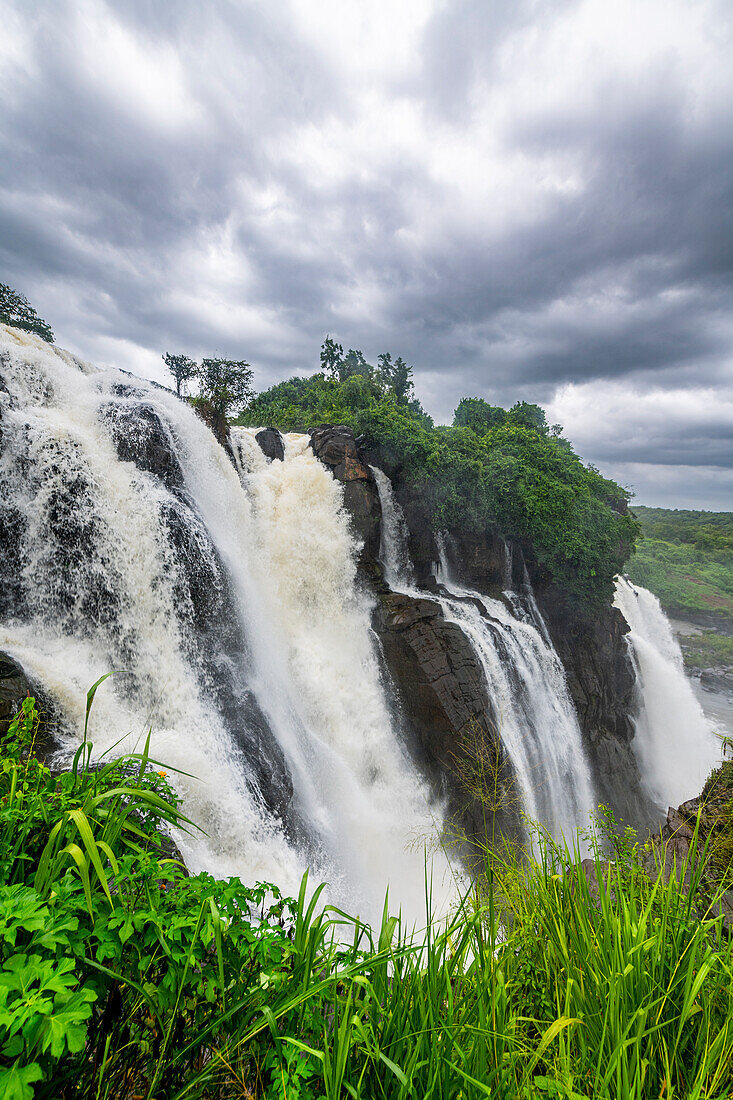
<point>528,200</point>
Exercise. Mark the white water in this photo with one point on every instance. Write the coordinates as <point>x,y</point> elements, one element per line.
<point>394,552</point>
<point>674,741</point>
<point>290,636</point>
<point>533,713</point>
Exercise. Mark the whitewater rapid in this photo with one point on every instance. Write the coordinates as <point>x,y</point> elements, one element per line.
<point>674,742</point>
<point>266,683</point>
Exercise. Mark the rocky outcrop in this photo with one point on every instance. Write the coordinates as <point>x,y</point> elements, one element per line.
<point>437,676</point>
<point>337,449</point>
<point>271,444</point>
<point>699,831</point>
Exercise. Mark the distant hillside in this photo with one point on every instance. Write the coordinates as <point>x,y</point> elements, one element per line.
<point>686,559</point>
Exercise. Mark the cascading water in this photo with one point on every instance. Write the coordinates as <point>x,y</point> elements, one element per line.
<point>532,710</point>
<point>394,552</point>
<point>131,542</point>
<point>674,742</point>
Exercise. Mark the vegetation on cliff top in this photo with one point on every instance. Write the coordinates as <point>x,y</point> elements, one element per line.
<point>16,310</point>
<point>120,976</point>
<point>505,470</point>
<point>686,559</point>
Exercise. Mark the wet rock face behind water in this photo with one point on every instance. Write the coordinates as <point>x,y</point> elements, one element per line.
<point>443,703</point>
<point>67,569</point>
<point>602,684</point>
<point>337,449</point>
<point>438,704</point>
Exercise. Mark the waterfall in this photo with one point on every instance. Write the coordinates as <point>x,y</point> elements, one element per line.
<point>674,742</point>
<point>394,552</point>
<point>532,711</point>
<point>130,541</point>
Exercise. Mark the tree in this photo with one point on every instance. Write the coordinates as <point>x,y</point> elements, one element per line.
<point>477,414</point>
<point>354,363</point>
<point>332,356</point>
<point>226,384</point>
<point>182,368</point>
<point>397,376</point>
<point>527,415</point>
<point>16,310</point>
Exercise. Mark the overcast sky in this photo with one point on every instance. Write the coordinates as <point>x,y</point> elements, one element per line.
<point>526,200</point>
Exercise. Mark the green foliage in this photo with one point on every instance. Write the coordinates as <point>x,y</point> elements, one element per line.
<point>175,986</point>
<point>392,377</point>
<point>478,415</point>
<point>16,310</point>
<point>686,559</point>
<point>226,384</point>
<point>492,469</point>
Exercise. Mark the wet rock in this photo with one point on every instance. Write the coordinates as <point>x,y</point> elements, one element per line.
<point>717,679</point>
<point>602,684</point>
<point>594,870</point>
<point>444,707</point>
<point>141,436</point>
<point>14,687</point>
<point>478,560</point>
<point>336,448</point>
<point>271,443</point>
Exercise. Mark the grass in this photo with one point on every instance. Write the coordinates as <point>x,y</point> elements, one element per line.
<point>167,986</point>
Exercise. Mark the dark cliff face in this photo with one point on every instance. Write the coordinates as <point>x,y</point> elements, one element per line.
<point>438,680</point>
<point>442,706</point>
<point>602,684</point>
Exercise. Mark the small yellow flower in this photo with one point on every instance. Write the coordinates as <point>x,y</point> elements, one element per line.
<point>163,775</point>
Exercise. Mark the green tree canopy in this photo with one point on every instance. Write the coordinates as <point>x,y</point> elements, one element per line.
<point>526,415</point>
<point>16,310</point>
<point>226,384</point>
<point>477,414</point>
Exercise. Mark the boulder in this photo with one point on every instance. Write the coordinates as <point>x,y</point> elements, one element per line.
<point>271,443</point>
<point>15,686</point>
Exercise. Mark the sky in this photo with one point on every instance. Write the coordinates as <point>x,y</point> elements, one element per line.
<point>527,200</point>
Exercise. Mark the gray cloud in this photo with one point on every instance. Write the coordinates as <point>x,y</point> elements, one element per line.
<point>519,197</point>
